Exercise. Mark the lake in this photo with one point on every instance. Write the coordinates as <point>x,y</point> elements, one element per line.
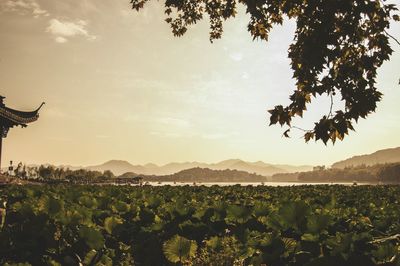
<point>273,184</point>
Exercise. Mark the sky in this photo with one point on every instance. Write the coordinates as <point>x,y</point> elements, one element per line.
<point>118,85</point>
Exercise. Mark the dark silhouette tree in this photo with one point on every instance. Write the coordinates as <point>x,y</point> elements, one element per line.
<point>108,174</point>
<point>46,172</point>
<point>337,49</point>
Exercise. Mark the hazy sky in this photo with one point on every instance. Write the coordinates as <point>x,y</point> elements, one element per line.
<point>118,85</point>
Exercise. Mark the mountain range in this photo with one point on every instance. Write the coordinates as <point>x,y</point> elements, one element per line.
<point>119,167</point>
<point>379,157</point>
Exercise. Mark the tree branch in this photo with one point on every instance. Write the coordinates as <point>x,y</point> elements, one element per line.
<point>302,129</point>
<point>391,36</point>
<point>330,109</point>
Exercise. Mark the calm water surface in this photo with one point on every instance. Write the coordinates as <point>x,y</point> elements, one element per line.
<point>273,184</point>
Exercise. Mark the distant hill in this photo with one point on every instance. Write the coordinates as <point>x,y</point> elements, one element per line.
<point>119,167</point>
<point>378,157</point>
<point>208,175</point>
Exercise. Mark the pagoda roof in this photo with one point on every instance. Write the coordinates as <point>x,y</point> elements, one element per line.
<point>16,117</point>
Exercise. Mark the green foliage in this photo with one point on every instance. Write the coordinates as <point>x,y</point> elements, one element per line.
<point>337,49</point>
<point>50,205</point>
<point>2,217</point>
<point>179,249</point>
<point>319,222</point>
<point>93,238</point>
<point>220,251</point>
<point>237,214</point>
<point>293,214</point>
<point>123,225</point>
<point>90,257</point>
<point>111,222</point>
<point>385,252</point>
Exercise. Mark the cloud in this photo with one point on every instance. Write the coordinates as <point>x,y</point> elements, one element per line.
<point>62,30</point>
<point>60,39</point>
<point>23,7</point>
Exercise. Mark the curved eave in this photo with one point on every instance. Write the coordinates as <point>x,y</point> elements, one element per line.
<point>19,117</point>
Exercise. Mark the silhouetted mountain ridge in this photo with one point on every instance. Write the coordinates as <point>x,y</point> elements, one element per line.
<point>119,167</point>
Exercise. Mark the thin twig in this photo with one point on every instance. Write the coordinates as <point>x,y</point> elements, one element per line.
<point>391,36</point>
<point>302,129</point>
<point>388,34</point>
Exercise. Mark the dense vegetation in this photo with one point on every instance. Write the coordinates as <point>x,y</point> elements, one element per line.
<point>109,225</point>
<point>390,173</point>
<point>51,174</point>
<point>384,173</point>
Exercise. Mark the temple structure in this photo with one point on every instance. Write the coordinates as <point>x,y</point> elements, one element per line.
<point>10,118</point>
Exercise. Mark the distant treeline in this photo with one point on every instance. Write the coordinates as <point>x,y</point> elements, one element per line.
<point>53,174</point>
<point>385,173</point>
<point>198,174</point>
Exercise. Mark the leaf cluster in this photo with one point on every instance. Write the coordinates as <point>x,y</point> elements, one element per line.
<point>337,48</point>
<point>108,225</point>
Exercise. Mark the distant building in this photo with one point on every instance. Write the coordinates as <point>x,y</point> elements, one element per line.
<point>10,118</point>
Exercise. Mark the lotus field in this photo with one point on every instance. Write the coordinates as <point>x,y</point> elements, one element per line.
<point>166,225</point>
